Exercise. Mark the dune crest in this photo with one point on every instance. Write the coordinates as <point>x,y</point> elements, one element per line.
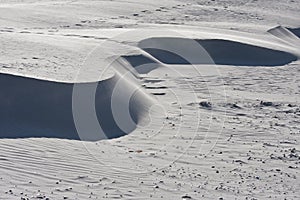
<point>217,51</point>
<point>40,108</point>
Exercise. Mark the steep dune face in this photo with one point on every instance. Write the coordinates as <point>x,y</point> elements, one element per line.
<point>113,107</point>
<point>39,108</point>
<point>35,108</point>
<point>295,31</point>
<point>141,63</point>
<point>216,51</point>
<point>221,132</point>
<point>287,35</point>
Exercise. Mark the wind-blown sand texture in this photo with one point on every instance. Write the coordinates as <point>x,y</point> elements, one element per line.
<point>215,118</point>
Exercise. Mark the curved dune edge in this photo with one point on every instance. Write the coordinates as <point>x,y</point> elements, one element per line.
<point>216,51</point>
<point>40,108</point>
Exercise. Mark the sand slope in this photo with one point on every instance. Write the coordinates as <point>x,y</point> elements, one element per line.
<point>215,120</point>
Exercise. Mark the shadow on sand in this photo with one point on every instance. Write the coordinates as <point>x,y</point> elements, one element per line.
<point>221,52</point>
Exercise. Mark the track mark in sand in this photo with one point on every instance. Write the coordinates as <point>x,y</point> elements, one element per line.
<point>7,31</point>
<point>221,52</point>
<point>3,65</point>
<point>155,87</point>
<point>152,80</point>
<point>158,93</point>
<point>50,33</point>
<point>85,36</point>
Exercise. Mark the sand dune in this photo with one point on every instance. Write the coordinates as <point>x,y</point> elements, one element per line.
<point>221,52</point>
<point>46,107</point>
<point>149,100</point>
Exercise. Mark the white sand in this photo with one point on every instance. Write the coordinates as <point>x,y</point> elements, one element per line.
<point>220,123</point>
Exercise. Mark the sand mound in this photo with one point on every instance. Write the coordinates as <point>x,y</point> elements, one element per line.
<point>117,105</point>
<point>40,108</point>
<point>220,52</point>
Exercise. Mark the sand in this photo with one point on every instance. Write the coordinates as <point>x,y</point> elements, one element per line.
<point>159,100</point>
